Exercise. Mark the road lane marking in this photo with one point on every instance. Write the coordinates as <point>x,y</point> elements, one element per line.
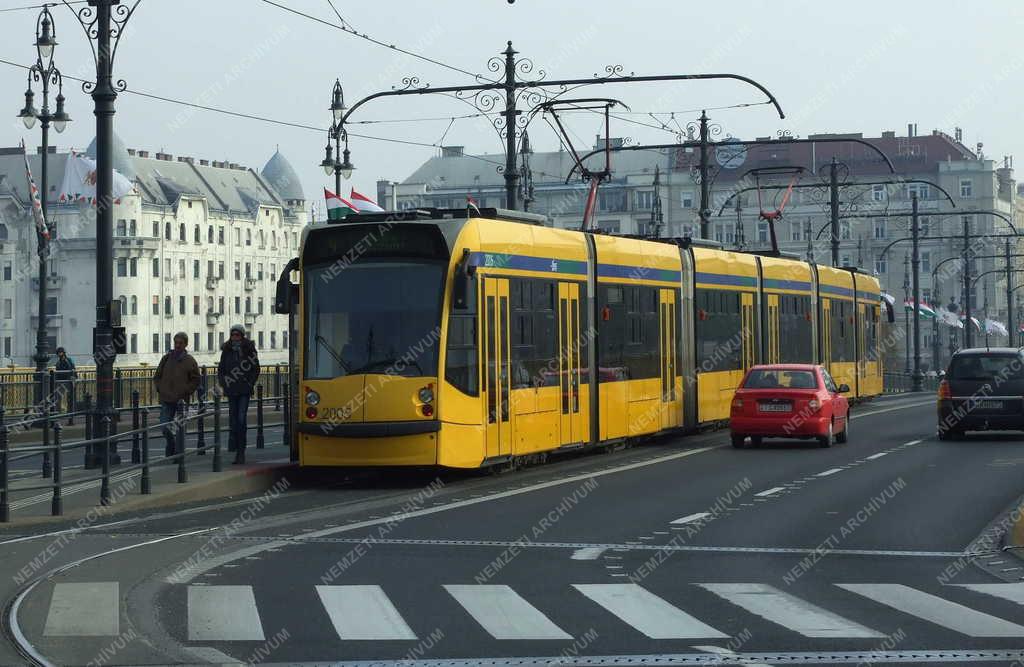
<point>789,611</point>
<point>770,492</point>
<point>223,613</point>
<point>697,516</point>
<point>725,652</point>
<point>1013,592</point>
<point>937,610</point>
<point>876,456</point>
<point>830,471</point>
<point>587,553</point>
<point>648,613</point>
<point>504,614</point>
<point>363,612</point>
<point>87,609</point>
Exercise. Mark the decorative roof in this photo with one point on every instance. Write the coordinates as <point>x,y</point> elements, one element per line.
<point>281,176</point>
<point>121,161</point>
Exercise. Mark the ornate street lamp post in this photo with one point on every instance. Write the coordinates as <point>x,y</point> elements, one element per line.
<point>341,168</point>
<point>45,72</point>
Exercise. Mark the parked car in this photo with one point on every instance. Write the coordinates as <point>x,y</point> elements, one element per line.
<point>789,401</point>
<point>983,389</point>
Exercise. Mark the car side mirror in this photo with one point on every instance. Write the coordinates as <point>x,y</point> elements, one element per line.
<point>843,389</point>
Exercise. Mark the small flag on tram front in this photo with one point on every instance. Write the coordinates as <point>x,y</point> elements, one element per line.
<point>337,207</point>
<point>37,205</point>
<point>363,203</point>
<point>471,205</point>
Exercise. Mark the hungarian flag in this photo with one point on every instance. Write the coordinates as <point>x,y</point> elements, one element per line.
<point>471,205</point>
<point>925,310</point>
<point>337,207</point>
<point>37,205</point>
<point>363,203</point>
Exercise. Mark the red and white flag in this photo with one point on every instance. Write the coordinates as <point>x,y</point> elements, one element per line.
<point>472,205</point>
<point>37,204</point>
<point>364,203</point>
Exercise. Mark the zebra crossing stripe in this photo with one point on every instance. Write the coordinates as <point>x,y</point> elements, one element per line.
<point>363,612</point>
<point>504,614</point>
<point>648,613</point>
<point>1013,592</point>
<point>789,611</point>
<point>89,609</point>
<point>937,610</point>
<point>223,613</point>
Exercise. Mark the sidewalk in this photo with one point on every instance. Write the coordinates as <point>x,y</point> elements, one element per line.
<point>263,468</point>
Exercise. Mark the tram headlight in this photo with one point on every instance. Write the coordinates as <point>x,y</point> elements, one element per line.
<point>426,395</point>
<point>312,398</point>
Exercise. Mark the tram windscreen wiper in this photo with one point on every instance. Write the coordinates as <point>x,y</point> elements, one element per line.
<point>383,365</point>
<point>337,357</point>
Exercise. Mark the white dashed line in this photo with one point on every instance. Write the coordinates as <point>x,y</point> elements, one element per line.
<point>877,456</point>
<point>769,492</point>
<point>828,472</point>
<point>692,517</point>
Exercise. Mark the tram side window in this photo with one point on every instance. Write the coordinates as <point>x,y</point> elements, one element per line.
<point>719,339</point>
<point>795,328</point>
<point>534,332</point>
<point>461,367</point>
<point>871,336</point>
<point>842,331</point>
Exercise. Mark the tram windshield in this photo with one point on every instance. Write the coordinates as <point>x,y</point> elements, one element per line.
<point>373,317</point>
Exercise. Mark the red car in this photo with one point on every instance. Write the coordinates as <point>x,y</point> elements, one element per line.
<point>789,401</point>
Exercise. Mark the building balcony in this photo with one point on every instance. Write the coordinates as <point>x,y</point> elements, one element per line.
<point>52,321</point>
<point>250,319</point>
<point>211,283</point>
<point>52,282</point>
<point>136,243</point>
<point>212,317</point>
<point>250,284</point>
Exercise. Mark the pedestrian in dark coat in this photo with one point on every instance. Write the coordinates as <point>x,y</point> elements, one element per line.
<point>65,376</point>
<point>176,379</point>
<point>237,373</point>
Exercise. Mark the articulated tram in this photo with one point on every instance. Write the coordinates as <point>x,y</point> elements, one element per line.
<point>467,340</point>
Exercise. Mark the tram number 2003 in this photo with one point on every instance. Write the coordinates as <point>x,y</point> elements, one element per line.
<point>336,414</point>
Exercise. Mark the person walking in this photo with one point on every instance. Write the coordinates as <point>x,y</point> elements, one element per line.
<point>237,372</point>
<point>65,375</point>
<point>176,379</point>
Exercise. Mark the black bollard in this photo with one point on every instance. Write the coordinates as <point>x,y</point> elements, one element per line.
<point>5,506</point>
<point>200,427</point>
<point>179,442</point>
<point>57,504</point>
<point>136,454</point>
<point>105,461</point>
<point>259,416</point>
<point>277,388</point>
<point>217,463</point>
<point>45,408</point>
<point>144,485</point>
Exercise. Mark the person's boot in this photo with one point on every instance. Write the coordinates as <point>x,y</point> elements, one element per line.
<point>239,455</point>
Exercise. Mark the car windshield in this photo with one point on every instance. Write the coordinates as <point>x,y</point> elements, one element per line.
<point>986,367</point>
<point>374,317</point>
<point>780,379</point>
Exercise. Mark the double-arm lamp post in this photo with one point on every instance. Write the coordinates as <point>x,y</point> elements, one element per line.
<point>508,90</point>
<point>335,161</point>
<point>45,72</point>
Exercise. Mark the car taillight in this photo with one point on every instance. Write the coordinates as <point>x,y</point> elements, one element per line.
<point>814,404</point>
<point>944,390</point>
<point>737,404</point>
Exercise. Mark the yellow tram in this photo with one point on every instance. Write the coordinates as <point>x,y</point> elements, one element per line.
<point>440,337</point>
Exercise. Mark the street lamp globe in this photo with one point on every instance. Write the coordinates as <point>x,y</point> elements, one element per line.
<point>328,161</point>
<point>338,103</point>
<point>346,167</point>
<point>45,40</point>
<point>61,118</point>
<point>28,114</point>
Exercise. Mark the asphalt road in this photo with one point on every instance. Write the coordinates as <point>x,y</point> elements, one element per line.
<point>680,551</point>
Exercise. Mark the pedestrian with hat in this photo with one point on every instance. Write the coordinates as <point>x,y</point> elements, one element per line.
<point>237,373</point>
<point>176,379</point>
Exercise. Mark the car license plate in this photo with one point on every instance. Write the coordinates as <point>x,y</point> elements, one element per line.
<point>775,407</point>
<point>991,405</point>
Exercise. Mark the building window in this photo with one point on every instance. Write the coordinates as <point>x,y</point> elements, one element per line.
<point>122,267</point>
<point>880,266</point>
<point>643,200</point>
<point>182,236</point>
<point>8,270</point>
<point>209,340</point>
<point>880,229</point>
<point>209,268</point>
<point>238,305</point>
<point>51,305</point>
<point>8,309</point>
<point>248,271</point>
<point>795,231</point>
<point>133,267</point>
<point>181,304</point>
<point>195,305</point>
<point>273,340</point>
<point>284,339</point>
<point>156,304</point>
<point>167,341</point>
<point>719,233</point>
<point>197,235</point>
<point>156,267</point>
<point>762,232</point>
<point>248,304</point>
<point>181,268</point>
<point>122,228</point>
<point>686,199</point>
<point>135,305</point>
<point>877,193</point>
<point>273,271</point>
<point>209,234</point>
<point>926,295</point>
<point>273,240</point>
<point>262,239</point>
<point>259,339</point>
<point>209,304</point>
<point>220,270</point>
<point>167,231</point>
<point>220,235</point>
<point>920,189</point>
<point>238,270</point>
<point>923,226</point>
<point>259,271</point>
<point>966,188</point>
<point>259,306</point>
<point>133,345</point>
<point>132,228</point>
<point>220,305</point>
<point>156,342</point>
<point>926,262</point>
<point>608,226</point>
<point>167,305</point>
<point>195,268</point>
<point>238,236</point>
<point>167,267</point>
<point>248,237</point>
<point>156,230</point>
<point>195,341</point>
<point>124,304</point>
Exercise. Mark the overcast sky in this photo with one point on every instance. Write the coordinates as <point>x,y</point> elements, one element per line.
<point>857,67</point>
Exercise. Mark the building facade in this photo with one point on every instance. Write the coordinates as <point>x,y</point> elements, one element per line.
<point>657,193</point>
<point>197,247</point>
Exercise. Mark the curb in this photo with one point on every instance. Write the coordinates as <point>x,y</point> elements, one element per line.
<point>209,486</point>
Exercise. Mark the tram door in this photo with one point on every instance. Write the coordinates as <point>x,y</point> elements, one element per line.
<point>826,334</point>
<point>497,378</point>
<point>572,424</point>
<point>772,353</point>
<point>669,350</point>
<point>749,342</point>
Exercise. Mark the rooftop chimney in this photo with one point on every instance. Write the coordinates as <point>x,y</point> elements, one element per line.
<point>910,129</point>
<point>958,134</point>
<point>453,151</point>
<point>889,134</point>
<point>204,163</point>
<point>131,152</point>
<point>143,153</point>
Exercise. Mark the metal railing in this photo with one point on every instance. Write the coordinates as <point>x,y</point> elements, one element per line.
<point>18,388</point>
<point>52,450</point>
<point>899,382</point>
